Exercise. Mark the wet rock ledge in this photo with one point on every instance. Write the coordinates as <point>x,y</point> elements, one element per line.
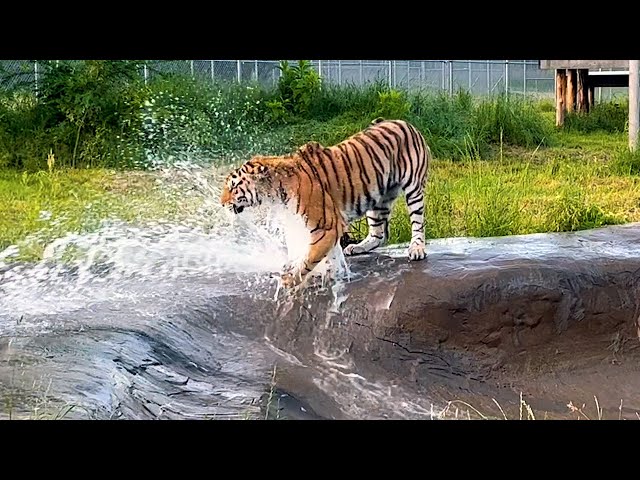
<point>548,316</point>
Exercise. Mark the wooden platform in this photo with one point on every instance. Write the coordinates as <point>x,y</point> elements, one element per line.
<point>577,79</point>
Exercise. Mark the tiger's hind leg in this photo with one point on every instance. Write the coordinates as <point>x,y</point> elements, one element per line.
<point>378,220</point>
<point>415,205</point>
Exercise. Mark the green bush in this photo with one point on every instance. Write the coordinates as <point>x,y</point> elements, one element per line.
<point>609,117</point>
<point>297,87</point>
<point>392,104</point>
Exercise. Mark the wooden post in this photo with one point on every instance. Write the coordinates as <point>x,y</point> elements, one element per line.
<point>561,86</point>
<point>581,91</point>
<point>591,98</point>
<point>571,89</point>
<point>634,106</point>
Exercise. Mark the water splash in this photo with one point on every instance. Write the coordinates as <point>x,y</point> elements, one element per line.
<point>80,269</point>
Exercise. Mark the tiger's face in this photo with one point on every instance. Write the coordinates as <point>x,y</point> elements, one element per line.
<point>239,189</point>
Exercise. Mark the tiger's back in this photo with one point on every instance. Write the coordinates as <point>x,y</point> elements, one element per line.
<point>369,168</point>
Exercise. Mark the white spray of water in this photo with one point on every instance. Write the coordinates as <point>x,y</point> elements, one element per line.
<point>80,269</point>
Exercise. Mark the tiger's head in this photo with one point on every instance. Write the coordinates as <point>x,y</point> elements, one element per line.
<point>241,187</point>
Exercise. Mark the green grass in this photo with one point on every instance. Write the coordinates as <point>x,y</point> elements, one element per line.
<point>584,181</point>
<point>500,168</point>
<point>40,207</point>
<point>553,189</point>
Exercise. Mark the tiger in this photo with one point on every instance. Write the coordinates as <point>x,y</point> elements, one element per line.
<point>330,187</point>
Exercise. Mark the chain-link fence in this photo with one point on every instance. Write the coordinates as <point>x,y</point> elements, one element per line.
<point>479,77</point>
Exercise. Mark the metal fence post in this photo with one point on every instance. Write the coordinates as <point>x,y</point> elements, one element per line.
<point>634,107</point>
<point>255,70</point>
<point>524,81</point>
<point>389,76</point>
<point>239,72</point>
<point>394,75</point>
<point>339,72</point>
<point>489,89</point>
<point>35,71</point>
<point>320,68</point>
<point>450,78</point>
<point>361,73</point>
<point>145,71</point>
<point>192,70</point>
<point>212,75</point>
<point>469,67</point>
<point>599,90</point>
<point>506,77</point>
<point>442,65</point>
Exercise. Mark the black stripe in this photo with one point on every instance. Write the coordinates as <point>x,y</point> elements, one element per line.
<point>347,166</point>
<point>356,198</point>
<point>299,185</point>
<point>364,176</point>
<point>392,158</point>
<point>377,141</point>
<point>409,157</point>
<point>417,188</point>
<point>366,181</point>
<point>413,202</point>
<point>375,161</point>
<point>422,158</point>
<point>317,175</point>
<point>324,232</point>
<point>400,158</point>
<point>385,211</point>
<point>329,153</point>
<point>324,170</point>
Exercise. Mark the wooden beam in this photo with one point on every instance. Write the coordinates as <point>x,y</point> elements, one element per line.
<point>581,91</point>
<point>634,107</point>
<point>590,64</point>
<point>561,86</point>
<point>571,90</point>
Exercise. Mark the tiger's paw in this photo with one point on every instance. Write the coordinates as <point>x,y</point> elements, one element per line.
<point>416,252</point>
<point>287,280</point>
<point>290,277</point>
<point>352,249</point>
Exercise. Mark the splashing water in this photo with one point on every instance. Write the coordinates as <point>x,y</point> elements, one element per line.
<point>124,275</point>
<point>80,269</point>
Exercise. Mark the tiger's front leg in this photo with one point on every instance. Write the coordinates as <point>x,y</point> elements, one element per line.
<point>322,242</point>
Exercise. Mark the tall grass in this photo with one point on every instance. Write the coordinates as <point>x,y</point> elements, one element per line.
<point>512,121</point>
<point>515,196</point>
<point>609,117</point>
<point>626,162</point>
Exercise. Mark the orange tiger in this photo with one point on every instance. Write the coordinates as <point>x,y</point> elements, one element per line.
<point>332,186</point>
